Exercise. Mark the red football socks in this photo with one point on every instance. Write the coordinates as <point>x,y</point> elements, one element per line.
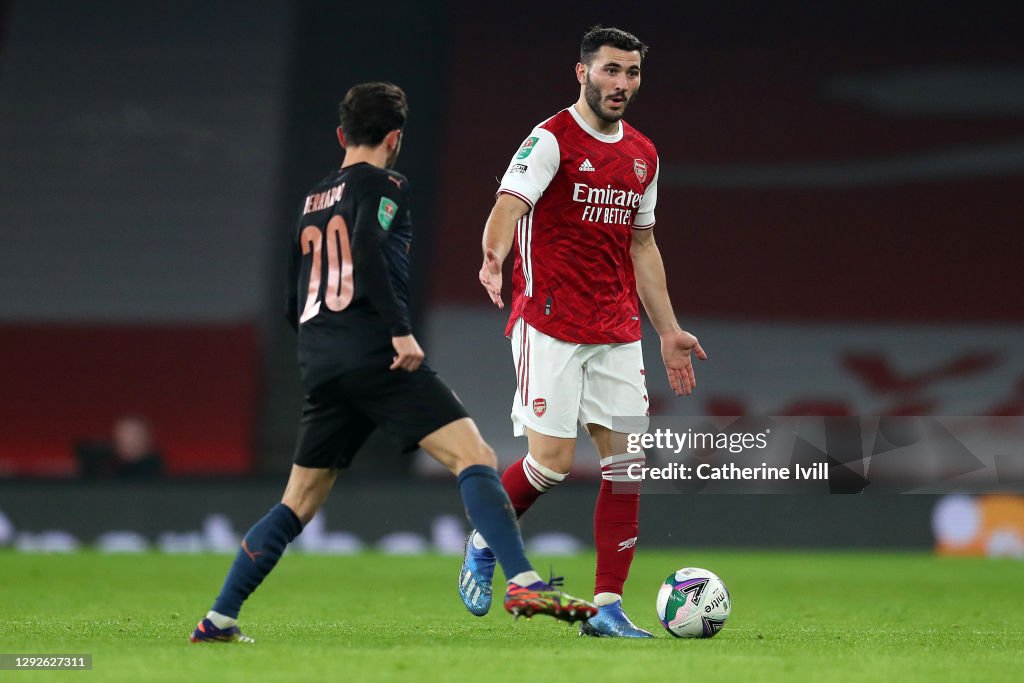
<point>616,522</point>
<point>526,480</point>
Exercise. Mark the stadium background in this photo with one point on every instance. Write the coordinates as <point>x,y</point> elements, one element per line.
<point>840,211</point>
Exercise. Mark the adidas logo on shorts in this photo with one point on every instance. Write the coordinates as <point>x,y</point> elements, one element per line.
<point>587,166</point>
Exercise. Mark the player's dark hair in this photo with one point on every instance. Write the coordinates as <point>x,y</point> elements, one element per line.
<point>598,36</point>
<point>369,111</point>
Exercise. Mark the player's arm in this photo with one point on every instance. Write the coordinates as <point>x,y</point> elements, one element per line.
<point>498,237</point>
<point>370,267</point>
<point>676,343</point>
<point>528,175</point>
<point>649,269</point>
<point>651,283</point>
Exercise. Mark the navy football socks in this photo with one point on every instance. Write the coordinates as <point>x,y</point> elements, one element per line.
<point>491,513</point>
<point>261,549</point>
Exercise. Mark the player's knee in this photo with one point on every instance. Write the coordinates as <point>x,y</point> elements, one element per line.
<point>558,460</point>
<point>481,454</point>
<point>487,456</point>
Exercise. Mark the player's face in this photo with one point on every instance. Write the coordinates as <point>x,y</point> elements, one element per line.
<point>611,82</point>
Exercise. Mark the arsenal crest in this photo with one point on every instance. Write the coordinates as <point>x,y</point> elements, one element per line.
<point>640,168</point>
<point>540,407</point>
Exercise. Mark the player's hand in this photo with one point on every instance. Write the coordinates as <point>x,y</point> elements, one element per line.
<point>676,350</point>
<point>490,277</point>
<point>410,355</point>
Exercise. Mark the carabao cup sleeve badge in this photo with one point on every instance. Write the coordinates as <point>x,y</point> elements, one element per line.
<point>528,145</point>
<point>386,212</point>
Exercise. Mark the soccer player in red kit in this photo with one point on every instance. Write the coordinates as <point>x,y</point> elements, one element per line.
<point>577,204</point>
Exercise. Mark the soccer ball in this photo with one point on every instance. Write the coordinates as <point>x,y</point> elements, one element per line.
<point>693,603</point>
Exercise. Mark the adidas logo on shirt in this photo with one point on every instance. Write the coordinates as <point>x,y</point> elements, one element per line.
<point>587,166</point>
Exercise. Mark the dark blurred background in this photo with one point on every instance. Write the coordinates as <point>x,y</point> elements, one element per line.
<point>841,205</point>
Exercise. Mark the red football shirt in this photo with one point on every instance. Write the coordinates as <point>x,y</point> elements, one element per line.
<point>573,277</point>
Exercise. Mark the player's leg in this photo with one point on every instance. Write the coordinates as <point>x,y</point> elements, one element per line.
<point>549,382</point>
<point>329,436</point>
<point>545,408</point>
<point>261,548</point>
<point>616,513</point>
<point>420,410</point>
<point>306,491</point>
<point>615,402</point>
<point>460,448</point>
<point>545,466</point>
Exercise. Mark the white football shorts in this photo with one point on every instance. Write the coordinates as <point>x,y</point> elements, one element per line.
<point>560,383</point>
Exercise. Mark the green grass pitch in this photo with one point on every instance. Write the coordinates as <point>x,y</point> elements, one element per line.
<point>796,617</point>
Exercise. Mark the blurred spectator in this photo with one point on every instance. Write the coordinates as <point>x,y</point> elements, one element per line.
<point>130,454</point>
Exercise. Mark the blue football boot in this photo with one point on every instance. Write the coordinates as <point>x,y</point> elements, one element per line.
<point>612,622</point>
<point>476,577</point>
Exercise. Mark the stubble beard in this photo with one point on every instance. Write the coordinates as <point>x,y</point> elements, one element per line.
<point>594,99</point>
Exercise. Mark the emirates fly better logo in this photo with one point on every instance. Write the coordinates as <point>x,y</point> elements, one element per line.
<point>607,204</point>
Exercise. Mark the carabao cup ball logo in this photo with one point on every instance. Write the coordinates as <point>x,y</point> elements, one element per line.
<point>679,608</point>
<point>682,600</point>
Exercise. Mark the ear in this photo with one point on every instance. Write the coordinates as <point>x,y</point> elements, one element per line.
<point>341,137</point>
<point>392,138</point>
<point>581,73</point>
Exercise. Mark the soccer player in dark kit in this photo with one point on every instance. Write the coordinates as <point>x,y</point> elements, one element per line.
<point>362,368</point>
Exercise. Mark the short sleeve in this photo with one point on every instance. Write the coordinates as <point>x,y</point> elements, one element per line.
<point>532,167</point>
<point>645,214</point>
